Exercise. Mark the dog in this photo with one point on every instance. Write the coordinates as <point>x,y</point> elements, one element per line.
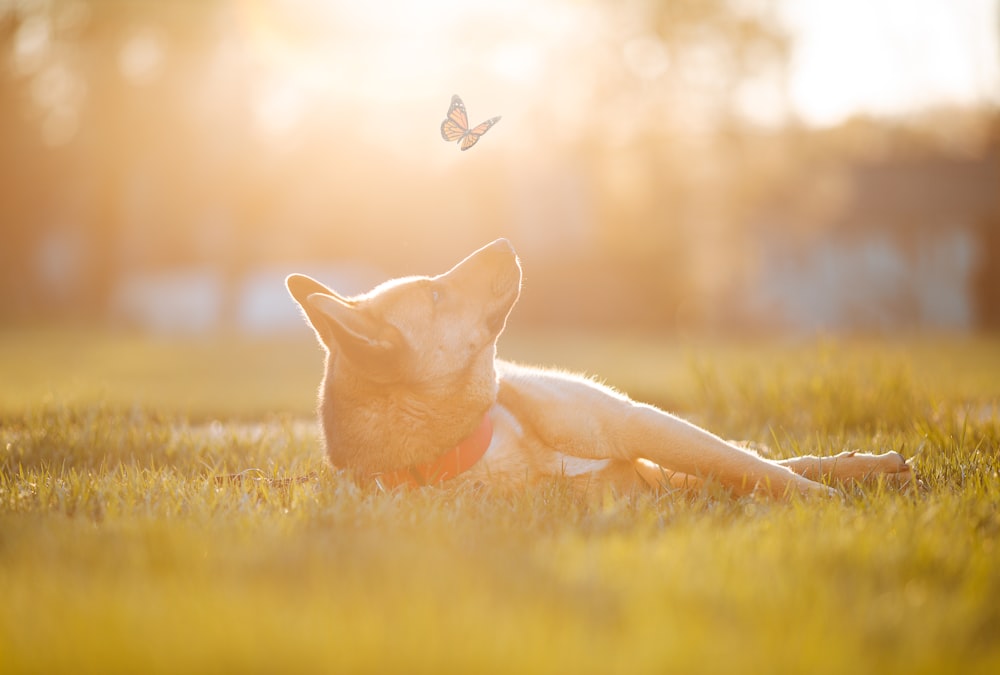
<point>413,394</point>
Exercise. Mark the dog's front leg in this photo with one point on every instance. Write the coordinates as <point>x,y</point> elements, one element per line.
<point>677,445</point>
<point>581,418</point>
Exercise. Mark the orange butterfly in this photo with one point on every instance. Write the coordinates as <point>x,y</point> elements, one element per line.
<point>456,126</point>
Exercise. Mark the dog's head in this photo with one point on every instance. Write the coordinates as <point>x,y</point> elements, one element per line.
<point>425,342</point>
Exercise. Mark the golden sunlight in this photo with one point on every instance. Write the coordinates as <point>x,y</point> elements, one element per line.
<point>394,50</point>
<point>398,61</point>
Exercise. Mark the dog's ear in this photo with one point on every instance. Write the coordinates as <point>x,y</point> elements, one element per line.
<point>301,287</point>
<point>375,345</point>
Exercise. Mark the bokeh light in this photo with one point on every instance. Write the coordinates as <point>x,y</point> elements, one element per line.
<point>658,164</point>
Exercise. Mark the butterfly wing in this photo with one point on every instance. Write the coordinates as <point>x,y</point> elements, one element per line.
<point>456,124</point>
<point>473,135</point>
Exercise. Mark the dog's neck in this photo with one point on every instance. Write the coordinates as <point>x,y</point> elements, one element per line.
<point>459,459</point>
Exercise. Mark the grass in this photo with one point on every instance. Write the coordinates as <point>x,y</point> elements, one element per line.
<point>121,552</point>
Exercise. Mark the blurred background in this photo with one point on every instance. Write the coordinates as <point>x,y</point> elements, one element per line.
<point>697,165</point>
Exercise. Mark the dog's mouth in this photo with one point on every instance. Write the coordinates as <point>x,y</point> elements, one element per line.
<point>506,281</point>
<point>506,289</point>
<point>496,321</point>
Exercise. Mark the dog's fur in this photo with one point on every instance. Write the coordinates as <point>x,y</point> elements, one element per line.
<point>411,369</point>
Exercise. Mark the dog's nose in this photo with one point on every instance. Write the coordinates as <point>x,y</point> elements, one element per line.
<point>502,246</point>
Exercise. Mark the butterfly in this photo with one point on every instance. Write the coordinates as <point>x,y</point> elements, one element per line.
<point>455,127</point>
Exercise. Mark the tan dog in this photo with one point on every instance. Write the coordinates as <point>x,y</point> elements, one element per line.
<point>413,394</point>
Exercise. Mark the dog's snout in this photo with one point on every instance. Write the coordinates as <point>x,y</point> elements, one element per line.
<point>507,270</point>
<point>497,252</point>
<point>503,246</point>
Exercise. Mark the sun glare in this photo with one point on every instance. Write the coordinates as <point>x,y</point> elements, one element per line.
<point>391,50</point>
<point>518,61</point>
<point>397,61</point>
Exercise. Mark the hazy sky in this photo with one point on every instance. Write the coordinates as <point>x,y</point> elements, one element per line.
<point>889,56</point>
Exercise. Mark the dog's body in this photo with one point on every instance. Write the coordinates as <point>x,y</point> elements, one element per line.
<point>413,393</point>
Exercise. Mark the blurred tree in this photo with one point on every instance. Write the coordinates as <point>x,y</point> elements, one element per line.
<point>672,142</point>
<point>139,138</point>
<point>19,182</point>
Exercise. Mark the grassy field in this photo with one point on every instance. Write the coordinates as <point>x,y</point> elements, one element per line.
<point>121,552</point>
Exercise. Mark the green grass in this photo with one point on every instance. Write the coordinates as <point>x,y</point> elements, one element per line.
<point>121,552</point>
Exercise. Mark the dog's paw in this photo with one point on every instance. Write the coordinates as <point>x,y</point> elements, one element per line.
<point>889,467</point>
<point>905,474</point>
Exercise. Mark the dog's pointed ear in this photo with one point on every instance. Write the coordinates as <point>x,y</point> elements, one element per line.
<point>301,287</point>
<point>373,344</point>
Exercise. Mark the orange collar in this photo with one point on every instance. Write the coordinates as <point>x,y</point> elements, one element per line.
<point>460,458</point>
